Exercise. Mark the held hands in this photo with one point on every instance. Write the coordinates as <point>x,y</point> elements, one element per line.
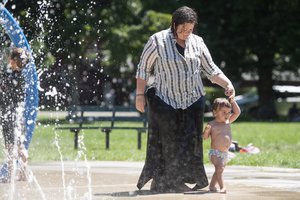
<point>229,91</point>
<point>231,99</point>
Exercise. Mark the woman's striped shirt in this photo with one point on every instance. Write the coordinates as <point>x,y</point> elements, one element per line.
<point>177,79</point>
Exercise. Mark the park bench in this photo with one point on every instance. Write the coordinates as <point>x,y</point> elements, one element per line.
<point>83,117</point>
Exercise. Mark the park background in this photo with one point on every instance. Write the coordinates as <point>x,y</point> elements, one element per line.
<point>86,53</point>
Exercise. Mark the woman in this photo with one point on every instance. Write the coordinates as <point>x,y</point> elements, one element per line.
<point>175,58</point>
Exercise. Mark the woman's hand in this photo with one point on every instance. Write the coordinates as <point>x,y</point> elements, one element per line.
<point>140,103</point>
<point>225,83</point>
<point>229,91</point>
<point>140,98</point>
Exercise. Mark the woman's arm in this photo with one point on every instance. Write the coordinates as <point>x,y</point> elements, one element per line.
<point>140,100</point>
<point>225,83</point>
<point>145,66</point>
<point>214,73</point>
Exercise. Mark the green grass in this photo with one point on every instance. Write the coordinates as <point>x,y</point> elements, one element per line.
<point>48,143</point>
<point>279,143</point>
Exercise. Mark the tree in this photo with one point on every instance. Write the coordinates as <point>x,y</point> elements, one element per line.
<point>257,36</point>
<point>65,39</point>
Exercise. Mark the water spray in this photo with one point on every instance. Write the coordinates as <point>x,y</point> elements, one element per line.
<point>4,2</point>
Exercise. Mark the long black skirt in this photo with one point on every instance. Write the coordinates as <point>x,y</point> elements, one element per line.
<point>174,148</point>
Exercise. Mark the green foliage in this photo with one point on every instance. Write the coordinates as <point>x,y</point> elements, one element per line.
<point>213,92</point>
<point>253,37</point>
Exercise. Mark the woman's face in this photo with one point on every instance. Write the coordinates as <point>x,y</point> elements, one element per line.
<point>183,31</point>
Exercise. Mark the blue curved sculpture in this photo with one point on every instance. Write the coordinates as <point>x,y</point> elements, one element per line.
<point>18,38</point>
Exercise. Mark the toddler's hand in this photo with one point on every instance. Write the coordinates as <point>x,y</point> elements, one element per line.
<point>207,127</point>
<point>231,99</point>
<point>206,131</point>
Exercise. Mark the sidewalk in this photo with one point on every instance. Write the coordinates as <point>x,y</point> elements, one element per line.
<point>117,180</point>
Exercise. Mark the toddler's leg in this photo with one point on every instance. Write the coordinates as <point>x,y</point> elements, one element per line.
<point>219,168</point>
<point>213,182</point>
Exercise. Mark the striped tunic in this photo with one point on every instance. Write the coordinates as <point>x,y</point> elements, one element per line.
<point>177,79</point>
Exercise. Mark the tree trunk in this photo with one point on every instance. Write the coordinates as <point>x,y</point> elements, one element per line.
<point>266,108</point>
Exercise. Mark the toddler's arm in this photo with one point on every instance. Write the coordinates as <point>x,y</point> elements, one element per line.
<point>206,131</point>
<point>235,109</point>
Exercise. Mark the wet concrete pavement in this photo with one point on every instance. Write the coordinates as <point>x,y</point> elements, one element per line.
<point>117,180</point>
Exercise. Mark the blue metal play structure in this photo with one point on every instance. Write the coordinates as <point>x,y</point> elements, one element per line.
<point>18,38</point>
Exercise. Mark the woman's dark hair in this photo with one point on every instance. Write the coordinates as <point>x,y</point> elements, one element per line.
<point>183,15</point>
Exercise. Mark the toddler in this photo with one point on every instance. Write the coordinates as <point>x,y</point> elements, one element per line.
<point>225,112</point>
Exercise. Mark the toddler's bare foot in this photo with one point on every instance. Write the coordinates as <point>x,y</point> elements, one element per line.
<point>223,190</point>
<point>213,189</point>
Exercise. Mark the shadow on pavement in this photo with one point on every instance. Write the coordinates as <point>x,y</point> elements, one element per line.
<point>144,192</point>
<point>127,193</point>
